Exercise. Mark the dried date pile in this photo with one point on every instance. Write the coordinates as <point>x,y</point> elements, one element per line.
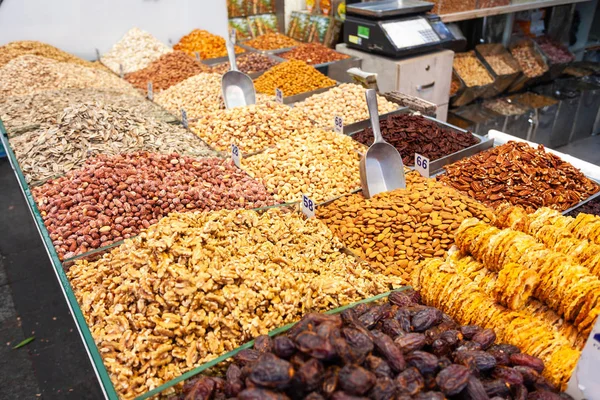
<point>521,175</point>
<point>396,350</point>
<point>591,207</point>
<point>411,134</point>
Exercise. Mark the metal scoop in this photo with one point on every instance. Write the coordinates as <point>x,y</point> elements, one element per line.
<point>238,88</point>
<point>381,168</point>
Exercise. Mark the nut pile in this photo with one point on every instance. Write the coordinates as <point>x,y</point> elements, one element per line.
<point>14,50</point>
<point>471,70</point>
<point>396,350</point>
<point>395,230</point>
<point>521,175</point>
<point>272,41</point>
<point>500,64</point>
<point>504,107</point>
<point>251,128</point>
<point>136,50</point>
<point>528,60</point>
<point>346,100</point>
<point>292,77</point>
<point>320,164</point>
<point>166,71</point>
<point>313,53</point>
<point>198,95</point>
<point>592,207</point>
<point>33,74</point>
<point>554,51</point>
<point>411,134</point>
<point>88,129</point>
<point>534,100</point>
<point>197,285</point>
<point>248,63</point>
<point>454,86</point>
<point>205,44</point>
<point>111,198</point>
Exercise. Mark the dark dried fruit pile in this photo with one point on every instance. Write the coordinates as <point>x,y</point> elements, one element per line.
<point>248,63</point>
<point>397,350</point>
<point>412,134</point>
<point>591,207</point>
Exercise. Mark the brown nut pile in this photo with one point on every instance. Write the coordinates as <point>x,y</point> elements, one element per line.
<point>471,70</point>
<point>320,164</point>
<point>33,74</point>
<point>272,41</point>
<point>205,44</point>
<point>168,70</point>
<point>521,175</point>
<point>197,285</point>
<point>346,100</point>
<point>199,95</point>
<point>251,128</point>
<point>313,53</point>
<point>292,77</point>
<point>88,129</point>
<point>248,63</point>
<point>14,50</point>
<point>504,107</point>
<point>500,64</point>
<point>395,230</point>
<point>534,100</point>
<point>528,60</point>
<point>111,198</point>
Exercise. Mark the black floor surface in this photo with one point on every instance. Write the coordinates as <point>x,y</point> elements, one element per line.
<point>55,365</point>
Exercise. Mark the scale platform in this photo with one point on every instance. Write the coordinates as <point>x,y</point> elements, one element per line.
<point>395,28</point>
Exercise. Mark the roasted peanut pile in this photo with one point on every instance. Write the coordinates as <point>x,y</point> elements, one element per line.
<point>24,113</point>
<point>313,53</point>
<point>14,50</point>
<point>136,50</point>
<point>33,74</point>
<point>197,285</point>
<point>320,164</point>
<point>346,101</point>
<point>251,128</point>
<point>292,77</point>
<point>504,107</point>
<point>500,64</point>
<point>528,61</point>
<point>88,129</point>
<point>471,70</point>
<point>198,95</point>
<point>248,63</point>
<point>395,230</point>
<point>205,44</point>
<point>521,175</point>
<point>166,71</point>
<point>111,198</point>
<point>272,41</point>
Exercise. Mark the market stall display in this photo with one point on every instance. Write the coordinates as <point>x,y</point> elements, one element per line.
<point>13,50</point>
<point>271,41</point>
<point>206,44</point>
<point>136,50</point>
<point>249,63</point>
<point>537,178</point>
<point>292,77</point>
<point>201,284</point>
<point>313,53</point>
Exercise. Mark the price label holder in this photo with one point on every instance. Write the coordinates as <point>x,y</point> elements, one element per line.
<point>236,156</point>
<point>97,55</point>
<point>338,124</point>
<point>184,119</point>
<point>121,73</point>
<point>307,206</point>
<point>422,165</point>
<point>585,383</point>
<point>197,55</point>
<point>278,96</point>
<point>150,93</point>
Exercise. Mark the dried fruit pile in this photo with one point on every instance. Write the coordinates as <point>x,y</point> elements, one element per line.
<point>591,207</point>
<point>85,129</point>
<point>554,51</point>
<point>397,350</point>
<point>395,230</point>
<point>205,44</point>
<point>313,54</point>
<point>411,134</point>
<point>522,175</point>
<point>292,77</point>
<point>346,101</point>
<point>111,198</point>
<point>248,63</point>
<point>14,50</point>
<point>272,41</point>
<point>136,50</point>
<point>320,164</point>
<point>197,285</point>
<point>471,70</point>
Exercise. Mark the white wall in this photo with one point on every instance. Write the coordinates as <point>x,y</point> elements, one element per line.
<point>81,26</point>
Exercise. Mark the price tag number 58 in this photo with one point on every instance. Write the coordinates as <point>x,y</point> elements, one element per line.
<point>308,206</point>
<point>235,155</point>
<point>422,165</point>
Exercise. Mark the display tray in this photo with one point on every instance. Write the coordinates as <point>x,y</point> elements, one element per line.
<point>501,81</point>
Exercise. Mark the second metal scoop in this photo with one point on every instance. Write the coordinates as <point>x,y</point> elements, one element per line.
<point>238,88</point>
<point>381,168</point>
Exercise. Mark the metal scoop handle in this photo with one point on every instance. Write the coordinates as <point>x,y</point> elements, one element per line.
<point>371,96</point>
<point>230,44</point>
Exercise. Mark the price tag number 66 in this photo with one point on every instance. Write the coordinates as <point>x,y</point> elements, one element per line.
<point>422,165</point>
<point>308,207</point>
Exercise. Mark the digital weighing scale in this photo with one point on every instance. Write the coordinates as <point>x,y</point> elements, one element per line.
<point>395,28</point>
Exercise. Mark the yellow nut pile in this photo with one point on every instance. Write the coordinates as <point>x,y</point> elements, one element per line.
<point>320,164</point>
<point>206,44</point>
<point>346,101</point>
<point>197,285</point>
<point>471,70</point>
<point>251,128</point>
<point>198,95</point>
<point>396,230</point>
<point>292,77</point>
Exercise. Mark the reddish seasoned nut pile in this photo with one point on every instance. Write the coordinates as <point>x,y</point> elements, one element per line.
<point>247,63</point>
<point>168,70</point>
<point>272,41</point>
<point>528,60</point>
<point>555,52</point>
<point>314,53</point>
<point>114,197</point>
<point>411,134</point>
<point>521,175</point>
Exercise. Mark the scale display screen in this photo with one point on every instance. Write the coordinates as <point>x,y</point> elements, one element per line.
<point>410,33</point>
